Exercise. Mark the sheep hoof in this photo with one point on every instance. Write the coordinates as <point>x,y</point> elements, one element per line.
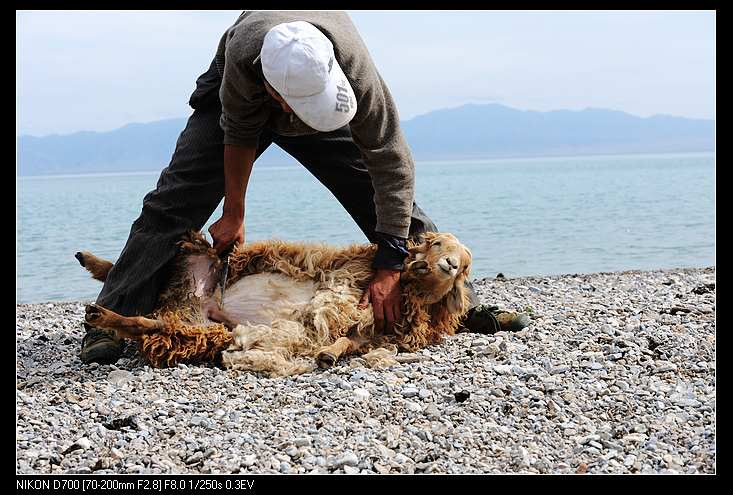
<point>325,359</point>
<point>79,256</point>
<point>93,313</point>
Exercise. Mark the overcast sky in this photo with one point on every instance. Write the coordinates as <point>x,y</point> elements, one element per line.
<point>99,70</point>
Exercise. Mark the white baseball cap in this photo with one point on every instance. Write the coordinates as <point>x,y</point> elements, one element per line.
<point>299,63</point>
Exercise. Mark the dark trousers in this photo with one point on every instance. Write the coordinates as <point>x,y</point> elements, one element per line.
<point>192,186</point>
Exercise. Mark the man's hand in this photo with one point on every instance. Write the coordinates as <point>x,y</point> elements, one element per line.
<point>384,294</point>
<point>228,230</point>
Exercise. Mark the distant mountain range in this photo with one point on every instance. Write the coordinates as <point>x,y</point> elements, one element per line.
<point>469,131</point>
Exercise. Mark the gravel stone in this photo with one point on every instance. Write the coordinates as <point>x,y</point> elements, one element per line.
<point>119,377</point>
<point>409,392</point>
<point>362,394</point>
<point>83,443</point>
<point>348,459</point>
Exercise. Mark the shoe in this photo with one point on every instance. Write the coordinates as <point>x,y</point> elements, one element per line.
<point>99,346</point>
<point>490,319</point>
<point>512,322</point>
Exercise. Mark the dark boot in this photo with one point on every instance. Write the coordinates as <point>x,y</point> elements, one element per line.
<point>490,319</point>
<point>100,346</point>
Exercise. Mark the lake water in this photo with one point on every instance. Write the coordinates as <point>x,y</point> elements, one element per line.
<point>538,216</point>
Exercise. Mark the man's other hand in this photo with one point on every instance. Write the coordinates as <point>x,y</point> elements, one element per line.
<point>384,294</point>
<point>228,230</point>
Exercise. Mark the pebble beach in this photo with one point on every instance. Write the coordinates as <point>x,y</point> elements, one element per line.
<point>615,374</point>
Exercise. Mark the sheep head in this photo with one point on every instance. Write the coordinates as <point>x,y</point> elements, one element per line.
<point>437,268</point>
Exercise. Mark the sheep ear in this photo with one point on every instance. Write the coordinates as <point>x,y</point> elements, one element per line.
<point>415,249</point>
<point>419,243</point>
<point>457,299</point>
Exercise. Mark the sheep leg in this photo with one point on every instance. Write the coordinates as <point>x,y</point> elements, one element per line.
<point>98,267</point>
<point>328,355</point>
<point>214,313</point>
<point>128,327</point>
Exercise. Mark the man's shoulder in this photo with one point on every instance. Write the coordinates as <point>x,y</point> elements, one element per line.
<point>246,35</point>
<point>252,26</point>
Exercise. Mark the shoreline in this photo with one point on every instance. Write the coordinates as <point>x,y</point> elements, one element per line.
<point>616,374</point>
<point>476,280</point>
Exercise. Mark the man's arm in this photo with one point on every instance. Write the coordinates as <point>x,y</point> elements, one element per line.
<point>243,117</point>
<point>376,131</point>
<point>229,229</point>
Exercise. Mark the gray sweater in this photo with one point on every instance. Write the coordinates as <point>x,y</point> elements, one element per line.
<point>247,108</point>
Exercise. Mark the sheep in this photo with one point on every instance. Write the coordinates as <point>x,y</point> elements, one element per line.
<point>290,307</point>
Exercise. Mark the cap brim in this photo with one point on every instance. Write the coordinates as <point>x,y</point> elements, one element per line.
<point>329,110</point>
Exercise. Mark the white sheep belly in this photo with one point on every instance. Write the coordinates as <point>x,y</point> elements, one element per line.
<point>264,297</point>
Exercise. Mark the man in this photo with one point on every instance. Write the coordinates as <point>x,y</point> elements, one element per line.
<point>305,81</point>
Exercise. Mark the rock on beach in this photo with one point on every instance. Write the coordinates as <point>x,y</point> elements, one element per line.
<point>616,374</point>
